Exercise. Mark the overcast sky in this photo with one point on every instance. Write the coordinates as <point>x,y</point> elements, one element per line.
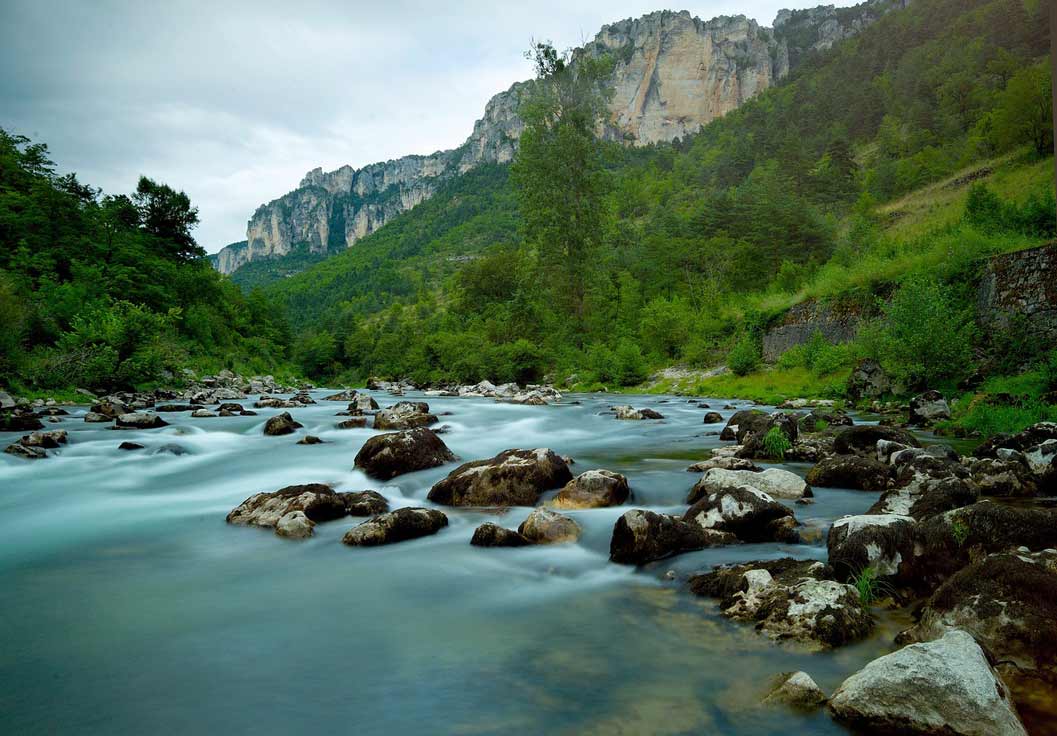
<point>234,102</point>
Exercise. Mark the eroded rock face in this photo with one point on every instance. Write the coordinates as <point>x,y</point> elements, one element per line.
<point>592,490</point>
<point>942,686</point>
<point>404,415</point>
<point>850,471</point>
<point>544,526</point>
<point>641,536</point>
<point>511,478</point>
<point>317,501</point>
<point>493,535</point>
<point>788,599</point>
<point>775,482</point>
<point>396,526</point>
<point>748,514</point>
<point>386,456</point>
<point>281,424</point>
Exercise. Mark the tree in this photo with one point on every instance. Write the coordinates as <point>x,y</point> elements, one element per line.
<point>1024,113</point>
<point>559,172</point>
<point>169,216</point>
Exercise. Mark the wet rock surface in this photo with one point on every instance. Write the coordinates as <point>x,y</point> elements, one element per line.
<point>775,482</point>
<point>593,489</point>
<point>641,536</point>
<point>511,478</point>
<point>396,526</point>
<point>281,424</point>
<point>388,455</point>
<point>748,514</point>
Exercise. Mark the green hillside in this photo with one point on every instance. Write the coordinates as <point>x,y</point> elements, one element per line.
<point>819,187</point>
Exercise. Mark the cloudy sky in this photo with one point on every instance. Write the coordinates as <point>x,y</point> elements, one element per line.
<point>234,102</point>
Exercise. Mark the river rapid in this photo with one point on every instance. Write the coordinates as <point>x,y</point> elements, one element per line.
<point>131,607</point>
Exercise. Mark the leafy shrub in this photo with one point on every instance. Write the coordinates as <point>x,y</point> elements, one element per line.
<point>776,444</point>
<point>744,358</point>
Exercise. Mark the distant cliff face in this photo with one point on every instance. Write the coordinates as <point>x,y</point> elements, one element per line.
<point>673,74</point>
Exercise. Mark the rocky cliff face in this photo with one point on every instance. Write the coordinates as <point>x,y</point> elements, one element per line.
<point>673,74</point>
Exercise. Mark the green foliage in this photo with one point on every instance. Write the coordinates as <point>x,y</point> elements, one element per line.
<point>866,582</point>
<point>959,531</point>
<point>776,444</point>
<point>1036,217</point>
<point>744,357</point>
<point>928,334</point>
<point>1024,113</point>
<point>110,292</point>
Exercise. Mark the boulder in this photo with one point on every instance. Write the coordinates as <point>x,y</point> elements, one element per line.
<point>95,418</point>
<point>927,482</point>
<point>628,412</point>
<point>641,536</point>
<point>862,439</point>
<point>26,452</point>
<point>386,456</point>
<point>404,415</point>
<point>348,395</point>
<point>396,526</point>
<point>111,407</point>
<point>775,482</point>
<point>592,490</point>
<point>364,503</point>
<point>713,417</point>
<point>139,420</point>
<point>45,440</point>
<point>885,543</point>
<point>868,380</point>
<point>944,686</point>
<point>1011,478</point>
<point>202,414</point>
<point>19,422</point>
<point>1034,435</point>
<point>789,599</point>
<point>725,463</point>
<point>354,423</point>
<point>511,478</point>
<point>231,408</point>
<point>1008,602</point>
<point>544,526</point>
<point>928,408</point>
<point>748,514</point>
<point>821,419</point>
<point>493,535</point>
<point>310,439</point>
<point>795,690</point>
<point>743,423</point>
<point>176,407</point>
<point>850,471</point>
<point>281,424</point>
<point>317,501</point>
<point>130,446</point>
<point>753,440</point>
<point>294,525</point>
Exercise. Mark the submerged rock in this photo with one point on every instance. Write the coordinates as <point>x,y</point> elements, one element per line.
<point>641,536</point>
<point>748,514</point>
<point>130,446</point>
<point>511,478</point>
<point>317,501</point>
<point>544,526</point>
<point>939,687</point>
<point>593,489</point>
<point>396,526</point>
<point>404,415</point>
<point>775,482</point>
<point>281,424</point>
<point>493,535</point>
<point>386,456</point>
<point>796,690</point>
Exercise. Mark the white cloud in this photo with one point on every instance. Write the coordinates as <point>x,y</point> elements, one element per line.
<point>234,104</point>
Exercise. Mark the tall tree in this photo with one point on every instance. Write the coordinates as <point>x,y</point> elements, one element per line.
<point>558,172</point>
<point>169,216</point>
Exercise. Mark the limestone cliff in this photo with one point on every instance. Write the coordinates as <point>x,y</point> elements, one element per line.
<point>673,73</point>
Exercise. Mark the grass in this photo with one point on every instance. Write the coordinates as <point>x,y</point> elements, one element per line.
<point>868,585</point>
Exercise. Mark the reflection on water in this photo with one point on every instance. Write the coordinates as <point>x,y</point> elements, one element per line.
<point>131,607</point>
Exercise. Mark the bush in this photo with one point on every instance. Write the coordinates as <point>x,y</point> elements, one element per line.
<point>744,358</point>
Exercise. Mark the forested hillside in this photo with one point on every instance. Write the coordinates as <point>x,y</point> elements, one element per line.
<point>111,291</point>
<point>695,245</point>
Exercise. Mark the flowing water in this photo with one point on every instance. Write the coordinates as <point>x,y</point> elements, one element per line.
<point>130,606</point>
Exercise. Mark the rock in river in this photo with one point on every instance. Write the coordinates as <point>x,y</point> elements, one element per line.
<point>850,471</point>
<point>775,482</point>
<point>629,412</point>
<point>862,439</point>
<point>140,420</point>
<point>295,525</point>
<point>404,415</point>
<point>944,686</point>
<point>641,536</point>
<point>748,514</point>
<point>364,503</point>
<point>396,526</point>
<point>281,424</point>
<point>544,526</point>
<point>592,490</point>
<point>511,478</point>
<point>493,535</point>
<point>388,455</point>
<point>317,501</point>
<point>796,690</point>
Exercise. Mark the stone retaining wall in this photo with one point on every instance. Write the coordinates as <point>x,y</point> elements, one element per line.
<point>1023,283</point>
<point>838,323</point>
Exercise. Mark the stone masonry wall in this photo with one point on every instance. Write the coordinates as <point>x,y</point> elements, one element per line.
<point>1022,283</point>
<point>837,323</point>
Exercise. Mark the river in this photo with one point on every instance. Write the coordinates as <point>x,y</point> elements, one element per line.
<point>131,607</point>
